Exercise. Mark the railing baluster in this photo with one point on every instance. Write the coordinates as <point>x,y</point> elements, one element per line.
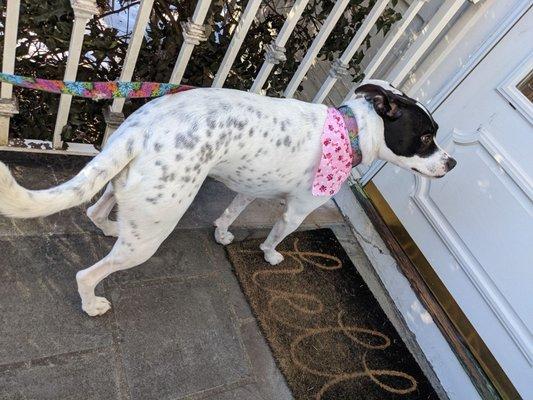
<point>317,44</point>
<point>430,32</point>
<point>275,52</point>
<point>83,11</point>
<point>113,115</point>
<point>340,67</point>
<point>392,38</point>
<point>236,42</point>
<point>193,34</point>
<point>8,104</point>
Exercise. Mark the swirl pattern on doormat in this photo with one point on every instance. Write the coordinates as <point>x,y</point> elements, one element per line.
<point>295,318</point>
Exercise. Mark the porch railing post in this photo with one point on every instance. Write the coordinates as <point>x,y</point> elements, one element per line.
<point>430,32</point>
<point>391,39</point>
<point>275,52</point>
<point>193,34</point>
<point>113,115</point>
<point>83,11</point>
<point>334,15</point>
<point>340,68</point>
<point>8,104</point>
<point>238,37</point>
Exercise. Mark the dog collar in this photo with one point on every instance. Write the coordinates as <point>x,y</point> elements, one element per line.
<point>350,122</point>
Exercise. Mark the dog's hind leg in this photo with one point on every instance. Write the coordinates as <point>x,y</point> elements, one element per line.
<point>132,248</point>
<point>239,203</point>
<point>98,213</point>
<point>143,225</point>
<point>296,209</point>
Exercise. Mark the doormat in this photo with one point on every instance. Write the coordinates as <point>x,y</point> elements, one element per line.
<point>328,334</point>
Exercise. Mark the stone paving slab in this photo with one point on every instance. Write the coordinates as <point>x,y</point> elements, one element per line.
<point>228,281</point>
<point>270,381</point>
<point>177,338</point>
<point>183,254</point>
<point>85,376</point>
<point>248,392</point>
<point>40,311</point>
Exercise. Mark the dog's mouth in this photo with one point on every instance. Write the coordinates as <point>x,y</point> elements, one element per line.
<point>426,175</point>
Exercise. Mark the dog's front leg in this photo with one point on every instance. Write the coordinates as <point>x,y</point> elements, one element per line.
<point>296,210</point>
<point>239,203</point>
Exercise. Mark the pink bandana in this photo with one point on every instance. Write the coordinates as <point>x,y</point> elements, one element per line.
<point>336,161</point>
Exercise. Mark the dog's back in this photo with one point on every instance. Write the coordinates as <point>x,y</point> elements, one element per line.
<point>254,144</point>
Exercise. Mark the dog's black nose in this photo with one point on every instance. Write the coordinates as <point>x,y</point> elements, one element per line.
<point>450,163</point>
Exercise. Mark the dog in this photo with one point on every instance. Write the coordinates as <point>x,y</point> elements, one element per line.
<point>260,147</point>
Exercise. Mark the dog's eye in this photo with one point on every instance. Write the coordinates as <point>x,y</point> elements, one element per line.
<point>426,139</point>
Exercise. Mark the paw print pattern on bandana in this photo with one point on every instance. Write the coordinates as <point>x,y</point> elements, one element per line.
<point>336,160</point>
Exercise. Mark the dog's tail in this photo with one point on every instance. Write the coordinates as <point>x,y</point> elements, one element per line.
<point>18,202</point>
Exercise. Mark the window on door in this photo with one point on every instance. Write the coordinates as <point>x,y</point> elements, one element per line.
<point>526,86</point>
<point>517,88</point>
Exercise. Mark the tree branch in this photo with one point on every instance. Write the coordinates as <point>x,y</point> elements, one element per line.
<point>118,10</point>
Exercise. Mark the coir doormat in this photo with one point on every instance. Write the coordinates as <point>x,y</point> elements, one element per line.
<point>330,338</point>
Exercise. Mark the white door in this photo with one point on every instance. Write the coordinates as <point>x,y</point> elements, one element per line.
<point>475,226</point>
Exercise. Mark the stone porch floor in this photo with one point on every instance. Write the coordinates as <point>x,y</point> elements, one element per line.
<point>179,327</point>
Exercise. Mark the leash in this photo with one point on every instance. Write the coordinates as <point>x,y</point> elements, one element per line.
<point>96,90</point>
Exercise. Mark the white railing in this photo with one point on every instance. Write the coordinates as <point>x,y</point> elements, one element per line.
<point>113,115</point>
<point>275,52</point>
<point>8,105</point>
<point>194,32</point>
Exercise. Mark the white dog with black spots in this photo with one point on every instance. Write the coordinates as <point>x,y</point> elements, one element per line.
<point>260,147</point>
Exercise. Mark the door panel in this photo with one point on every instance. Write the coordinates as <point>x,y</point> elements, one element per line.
<point>475,226</point>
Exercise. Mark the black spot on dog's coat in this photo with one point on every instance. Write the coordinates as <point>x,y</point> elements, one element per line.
<point>146,137</point>
<point>129,147</point>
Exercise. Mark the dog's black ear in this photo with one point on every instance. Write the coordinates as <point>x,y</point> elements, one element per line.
<point>383,100</point>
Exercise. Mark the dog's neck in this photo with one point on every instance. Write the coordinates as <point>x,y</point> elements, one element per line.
<point>350,122</point>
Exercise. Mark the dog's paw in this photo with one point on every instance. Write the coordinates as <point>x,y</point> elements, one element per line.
<point>98,306</point>
<point>273,257</point>
<point>223,238</point>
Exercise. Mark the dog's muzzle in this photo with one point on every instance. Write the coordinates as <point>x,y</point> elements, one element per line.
<point>450,164</point>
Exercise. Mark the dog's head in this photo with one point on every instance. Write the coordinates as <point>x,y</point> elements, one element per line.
<point>408,130</point>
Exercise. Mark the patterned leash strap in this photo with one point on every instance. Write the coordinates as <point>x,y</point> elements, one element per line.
<point>96,90</point>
